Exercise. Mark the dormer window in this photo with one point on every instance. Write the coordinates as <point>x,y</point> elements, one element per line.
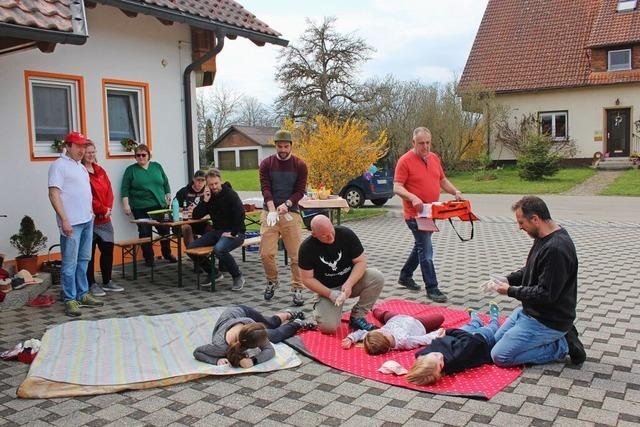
<point>619,60</point>
<point>626,5</point>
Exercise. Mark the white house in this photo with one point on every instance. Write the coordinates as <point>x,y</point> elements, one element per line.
<point>110,69</point>
<point>243,147</point>
<point>573,64</point>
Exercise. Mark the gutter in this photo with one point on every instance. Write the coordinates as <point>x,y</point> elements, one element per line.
<point>41,35</point>
<point>192,20</point>
<point>188,113</point>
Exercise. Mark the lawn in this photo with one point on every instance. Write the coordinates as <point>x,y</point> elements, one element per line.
<point>508,182</point>
<point>627,184</point>
<point>242,180</point>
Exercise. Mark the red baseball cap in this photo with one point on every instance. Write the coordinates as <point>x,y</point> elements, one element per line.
<point>75,138</point>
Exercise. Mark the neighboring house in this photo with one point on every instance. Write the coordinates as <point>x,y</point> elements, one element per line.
<point>243,147</point>
<point>111,69</point>
<point>573,64</point>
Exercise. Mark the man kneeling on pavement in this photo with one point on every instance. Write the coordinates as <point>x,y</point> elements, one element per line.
<point>333,265</point>
<point>224,207</point>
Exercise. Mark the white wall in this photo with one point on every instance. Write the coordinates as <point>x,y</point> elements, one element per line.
<point>119,47</point>
<point>587,112</point>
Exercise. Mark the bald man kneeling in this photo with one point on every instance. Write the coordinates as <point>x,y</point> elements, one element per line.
<point>333,265</point>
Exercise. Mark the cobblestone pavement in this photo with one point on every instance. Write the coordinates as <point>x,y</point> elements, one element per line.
<point>605,391</point>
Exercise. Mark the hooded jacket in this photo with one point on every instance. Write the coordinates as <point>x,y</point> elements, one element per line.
<point>225,210</point>
<point>102,194</point>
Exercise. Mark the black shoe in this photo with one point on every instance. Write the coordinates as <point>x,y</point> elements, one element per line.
<point>306,325</point>
<point>436,296</point>
<point>298,299</point>
<point>149,262</point>
<point>576,349</point>
<point>361,323</point>
<point>171,259</point>
<point>295,314</point>
<point>409,284</point>
<point>270,290</point>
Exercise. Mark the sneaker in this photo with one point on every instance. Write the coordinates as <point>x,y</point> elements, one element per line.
<point>72,308</point>
<point>219,276</point>
<point>89,301</point>
<point>576,349</point>
<point>171,259</point>
<point>298,299</point>
<point>270,290</point>
<point>238,283</point>
<point>206,281</point>
<point>494,310</point>
<point>409,284</point>
<point>295,314</point>
<point>17,283</point>
<point>112,287</point>
<point>473,313</point>
<point>97,291</point>
<point>306,325</point>
<point>361,323</point>
<point>436,296</point>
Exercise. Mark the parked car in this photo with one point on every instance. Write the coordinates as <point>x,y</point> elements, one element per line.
<point>379,189</point>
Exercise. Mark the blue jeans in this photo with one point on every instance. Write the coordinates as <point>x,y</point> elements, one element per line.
<point>421,254</point>
<point>523,339</point>
<point>76,254</point>
<point>222,246</point>
<point>475,326</point>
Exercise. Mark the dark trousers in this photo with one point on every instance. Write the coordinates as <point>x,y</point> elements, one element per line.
<point>222,247</point>
<point>144,230</point>
<point>276,331</point>
<point>431,322</point>
<point>106,260</point>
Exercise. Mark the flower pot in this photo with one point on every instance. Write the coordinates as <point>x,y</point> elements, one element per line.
<point>29,263</point>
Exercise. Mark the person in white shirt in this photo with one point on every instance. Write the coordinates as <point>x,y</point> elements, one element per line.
<point>400,332</point>
<point>70,196</point>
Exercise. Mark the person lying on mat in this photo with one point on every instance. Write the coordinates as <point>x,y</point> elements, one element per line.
<point>400,332</point>
<point>459,349</point>
<point>333,266</point>
<point>242,336</point>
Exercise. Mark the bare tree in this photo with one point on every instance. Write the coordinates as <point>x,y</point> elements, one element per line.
<point>222,109</point>
<point>252,112</point>
<point>318,76</point>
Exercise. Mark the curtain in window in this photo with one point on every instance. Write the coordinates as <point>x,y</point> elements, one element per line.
<point>123,115</point>
<point>51,107</point>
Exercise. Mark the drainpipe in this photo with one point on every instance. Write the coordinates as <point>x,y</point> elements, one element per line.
<point>186,81</point>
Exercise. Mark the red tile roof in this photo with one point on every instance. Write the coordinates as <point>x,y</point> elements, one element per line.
<point>525,45</point>
<point>613,28</point>
<point>41,14</point>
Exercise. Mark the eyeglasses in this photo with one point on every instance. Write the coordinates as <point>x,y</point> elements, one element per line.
<point>142,155</point>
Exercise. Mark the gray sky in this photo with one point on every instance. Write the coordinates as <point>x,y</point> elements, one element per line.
<point>414,39</point>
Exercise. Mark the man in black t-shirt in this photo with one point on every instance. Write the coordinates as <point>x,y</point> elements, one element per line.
<point>333,265</point>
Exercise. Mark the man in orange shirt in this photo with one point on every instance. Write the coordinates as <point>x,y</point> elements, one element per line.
<point>418,180</point>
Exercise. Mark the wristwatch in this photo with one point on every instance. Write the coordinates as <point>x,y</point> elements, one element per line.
<point>288,203</point>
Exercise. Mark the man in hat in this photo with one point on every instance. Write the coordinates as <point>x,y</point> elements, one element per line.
<point>70,196</point>
<point>188,197</point>
<point>283,180</point>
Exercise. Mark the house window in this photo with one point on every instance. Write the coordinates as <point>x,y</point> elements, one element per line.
<point>620,59</point>
<point>554,124</point>
<point>55,108</point>
<point>126,114</point>
<point>626,5</point>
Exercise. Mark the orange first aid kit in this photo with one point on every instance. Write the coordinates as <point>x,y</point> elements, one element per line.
<point>447,210</point>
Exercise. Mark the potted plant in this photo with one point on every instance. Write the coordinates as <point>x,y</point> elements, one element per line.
<point>128,144</point>
<point>28,241</point>
<point>58,145</point>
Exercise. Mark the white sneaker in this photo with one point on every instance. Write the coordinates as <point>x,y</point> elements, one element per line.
<point>97,291</point>
<point>112,287</point>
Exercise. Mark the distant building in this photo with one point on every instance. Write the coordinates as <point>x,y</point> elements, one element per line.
<point>573,64</point>
<point>243,147</point>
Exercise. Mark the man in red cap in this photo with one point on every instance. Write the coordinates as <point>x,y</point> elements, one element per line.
<point>70,196</point>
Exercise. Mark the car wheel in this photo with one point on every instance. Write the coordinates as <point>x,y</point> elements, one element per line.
<point>379,202</point>
<point>354,197</point>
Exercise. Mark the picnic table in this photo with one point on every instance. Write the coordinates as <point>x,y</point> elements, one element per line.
<point>334,204</point>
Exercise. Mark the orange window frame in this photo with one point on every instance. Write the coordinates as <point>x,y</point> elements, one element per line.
<point>79,80</point>
<point>105,115</point>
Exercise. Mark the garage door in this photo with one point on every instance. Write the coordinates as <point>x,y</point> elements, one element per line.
<point>226,160</point>
<point>249,159</point>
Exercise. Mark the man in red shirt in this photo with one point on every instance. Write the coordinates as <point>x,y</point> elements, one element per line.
<point>418,180</point>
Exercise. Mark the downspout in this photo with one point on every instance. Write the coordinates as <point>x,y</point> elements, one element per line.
<point>186,81</point>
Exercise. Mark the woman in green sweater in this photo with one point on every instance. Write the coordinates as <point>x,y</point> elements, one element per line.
<point>145,187</point>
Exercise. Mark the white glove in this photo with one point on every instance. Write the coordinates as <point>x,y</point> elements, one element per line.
<point>272,218</point>
<point>498,279</point>
<point>341,299</point>
<point>333,296</point>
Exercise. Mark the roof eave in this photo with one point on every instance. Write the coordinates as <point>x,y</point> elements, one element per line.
<point>195,21</point>
<point>40,34</point>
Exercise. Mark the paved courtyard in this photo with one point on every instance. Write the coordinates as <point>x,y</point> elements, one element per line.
<point>605,391</point>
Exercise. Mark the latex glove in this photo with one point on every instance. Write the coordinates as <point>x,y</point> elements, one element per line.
<point>392,367</point>
<point>498,279</point>
<point>341,299</point>
<point>272,218</point>
<point>333,296</point>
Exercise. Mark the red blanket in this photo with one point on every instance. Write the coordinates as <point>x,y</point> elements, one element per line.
<point>484,381</point>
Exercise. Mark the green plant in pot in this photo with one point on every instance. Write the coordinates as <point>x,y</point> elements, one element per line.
<point>128,144</point>
<point>28,241</point>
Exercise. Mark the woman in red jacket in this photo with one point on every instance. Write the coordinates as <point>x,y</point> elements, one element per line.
<point>102,227</point>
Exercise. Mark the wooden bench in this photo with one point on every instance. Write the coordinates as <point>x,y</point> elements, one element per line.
<point>130,248</point>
